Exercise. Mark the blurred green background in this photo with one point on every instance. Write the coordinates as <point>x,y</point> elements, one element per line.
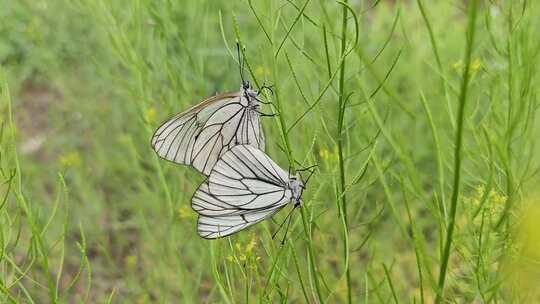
<point>89,213</point>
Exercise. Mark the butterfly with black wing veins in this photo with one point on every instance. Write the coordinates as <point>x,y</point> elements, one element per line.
<point>244,187</point>
<point>200,135</point>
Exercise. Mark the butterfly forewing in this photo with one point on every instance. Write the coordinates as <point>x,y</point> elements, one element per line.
<point>252,129</point>
<point>201,134</point>
<point>219,132</point>
<point>174,140</point>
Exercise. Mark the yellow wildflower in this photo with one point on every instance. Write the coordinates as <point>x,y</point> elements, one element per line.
<point>327,155</point>
<point>324,154</point>
<point>71,159</point>
<point>185,212</point>
<point>131,261</point>
<point>476,66</point>
<point>251,245</point>
<point>497,198</point>
<point>150,115</point>
<point>480,190</point>
<point>260,71</point>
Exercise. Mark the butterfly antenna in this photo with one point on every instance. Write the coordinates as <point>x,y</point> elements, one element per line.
<point>282,223</point>
<point>241,61</point>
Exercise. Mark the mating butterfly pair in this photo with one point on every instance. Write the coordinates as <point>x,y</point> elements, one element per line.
<point>222,137</point>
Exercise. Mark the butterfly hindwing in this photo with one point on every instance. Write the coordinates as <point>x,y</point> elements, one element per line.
<point>244,187</point>
<point>246,177</point>
<point>212,227</point>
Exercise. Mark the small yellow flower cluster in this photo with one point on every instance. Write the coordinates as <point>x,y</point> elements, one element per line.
<point>131,262</point>
<point>71,159</point>
<point>261,71</point>
<point>493,203</point>
<point>482,210</point>
<point>185,212</point>
<point>150,115</point>
<point>482,206</point>
<point>327,155</point>
<point>245,255</point>
<point>476,66</point>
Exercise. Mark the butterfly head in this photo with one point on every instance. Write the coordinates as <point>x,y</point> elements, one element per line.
<point>246,85</point>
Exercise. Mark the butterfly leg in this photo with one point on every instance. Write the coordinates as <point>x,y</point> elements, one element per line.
<point>287,229</point>
<point>286,220</point>
<point>268,115</point>
<point>265,87</point>
<point>265,102</point>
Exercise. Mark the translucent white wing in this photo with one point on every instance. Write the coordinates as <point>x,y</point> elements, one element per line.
<point>208,204</point>
<point>262,139</point>
<point>251,131</point>
<point>247,178</point>
<point>212,227</point>
<point>174,140</point>
<point>201,134</point>
<point>244,187</point>
<point>218,218</point>
<point>218,133</point>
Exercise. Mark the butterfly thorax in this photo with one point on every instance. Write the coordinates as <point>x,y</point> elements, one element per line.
<point>297,187</point>
<point>250,97</point>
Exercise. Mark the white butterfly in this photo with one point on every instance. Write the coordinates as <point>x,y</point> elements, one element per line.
<point>200,135</point>
<point>244,187</point>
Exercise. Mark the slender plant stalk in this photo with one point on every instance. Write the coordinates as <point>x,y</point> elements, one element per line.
<point>37,241</point>
<point>448,102</point>
<point>457,151</point>
<point>287,147</point>
<point>307,230</point>
<point>441,71</point>
<point>390,284</point>
<point>509,123</point>
<point>340,139</point>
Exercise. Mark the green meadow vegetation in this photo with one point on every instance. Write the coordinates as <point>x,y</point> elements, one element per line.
<point>422,117</point>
